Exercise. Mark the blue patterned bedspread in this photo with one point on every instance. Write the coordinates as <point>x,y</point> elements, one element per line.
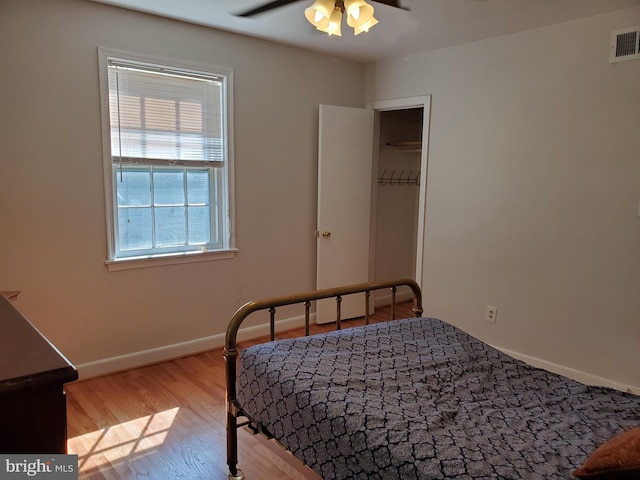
<point>420,399</point>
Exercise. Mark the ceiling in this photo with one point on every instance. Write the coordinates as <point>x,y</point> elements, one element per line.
<point>429,24</point>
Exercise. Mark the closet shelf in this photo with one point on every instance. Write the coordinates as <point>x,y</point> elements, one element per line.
<point>405,146</point>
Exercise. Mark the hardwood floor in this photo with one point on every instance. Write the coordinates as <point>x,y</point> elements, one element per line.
<point>167,421</point>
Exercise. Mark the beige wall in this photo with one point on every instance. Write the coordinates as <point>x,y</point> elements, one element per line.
<point>533,191</point>
<point>53,234</point>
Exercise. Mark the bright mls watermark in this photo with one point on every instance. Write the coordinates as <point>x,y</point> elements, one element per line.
<point>51,467</point>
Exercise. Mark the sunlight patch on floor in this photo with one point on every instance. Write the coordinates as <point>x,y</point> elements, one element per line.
<point>127,439</point>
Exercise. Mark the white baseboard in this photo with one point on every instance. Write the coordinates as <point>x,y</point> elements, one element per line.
<point>119,363</point>
<point>384,299</point>
<point>572,373</point>
<point>168,352</point>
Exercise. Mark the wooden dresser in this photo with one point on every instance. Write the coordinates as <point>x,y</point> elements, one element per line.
<point>33,412</point>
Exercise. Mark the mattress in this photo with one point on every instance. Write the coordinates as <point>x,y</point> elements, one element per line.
<point>420,399</point>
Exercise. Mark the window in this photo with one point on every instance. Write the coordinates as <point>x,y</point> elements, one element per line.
<point>168,164</point>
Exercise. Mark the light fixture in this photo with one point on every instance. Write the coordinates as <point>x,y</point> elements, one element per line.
<point>326,15</point>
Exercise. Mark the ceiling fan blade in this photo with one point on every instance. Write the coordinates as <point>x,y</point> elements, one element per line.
<point>266,7</point>
<point>391,3</point>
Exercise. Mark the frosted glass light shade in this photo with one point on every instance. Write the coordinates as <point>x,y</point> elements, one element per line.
<point>335,23</point>
<point>319,14</point>
<point>359,13</point>
<point>365,27</point>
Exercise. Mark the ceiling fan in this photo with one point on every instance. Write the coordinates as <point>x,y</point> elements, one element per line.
<point>281,3</point>
<point>326,15</point>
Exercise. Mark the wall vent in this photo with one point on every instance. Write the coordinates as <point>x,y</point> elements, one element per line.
<point>625,45</point>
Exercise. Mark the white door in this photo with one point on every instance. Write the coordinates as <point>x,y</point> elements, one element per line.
<point>345,158</point>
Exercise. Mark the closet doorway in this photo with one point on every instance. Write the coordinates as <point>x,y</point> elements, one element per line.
<point>399,190</point>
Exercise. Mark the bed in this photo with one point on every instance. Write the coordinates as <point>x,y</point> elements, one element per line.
<point>416,398</point>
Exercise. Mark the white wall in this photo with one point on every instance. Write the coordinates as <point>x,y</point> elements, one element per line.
<point>53,234</point>
<point>533,191</point>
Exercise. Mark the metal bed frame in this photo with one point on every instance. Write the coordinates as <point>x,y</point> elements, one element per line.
<point>234,410</point>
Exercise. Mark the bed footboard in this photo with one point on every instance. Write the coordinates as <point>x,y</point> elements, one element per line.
<point>231,351</point>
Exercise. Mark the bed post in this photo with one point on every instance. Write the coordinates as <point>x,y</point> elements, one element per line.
<point>230,356</point>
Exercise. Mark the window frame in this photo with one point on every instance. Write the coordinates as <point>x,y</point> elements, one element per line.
<point>179,255</point>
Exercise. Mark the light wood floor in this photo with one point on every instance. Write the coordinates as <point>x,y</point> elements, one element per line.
<point>167,421</point>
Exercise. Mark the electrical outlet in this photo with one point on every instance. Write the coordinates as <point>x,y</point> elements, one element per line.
<point>492,313</point>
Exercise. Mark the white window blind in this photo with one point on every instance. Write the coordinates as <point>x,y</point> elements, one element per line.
<point>165,116</point>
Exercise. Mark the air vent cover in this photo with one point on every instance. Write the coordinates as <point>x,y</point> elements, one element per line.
<point>625,44</point>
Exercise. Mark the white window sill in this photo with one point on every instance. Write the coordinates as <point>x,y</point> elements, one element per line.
<point>169,259</point>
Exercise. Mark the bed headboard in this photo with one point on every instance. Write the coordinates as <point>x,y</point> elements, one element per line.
<point>307,297</point>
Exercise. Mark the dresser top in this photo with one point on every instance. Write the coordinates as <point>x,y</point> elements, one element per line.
<point>26,356</point>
